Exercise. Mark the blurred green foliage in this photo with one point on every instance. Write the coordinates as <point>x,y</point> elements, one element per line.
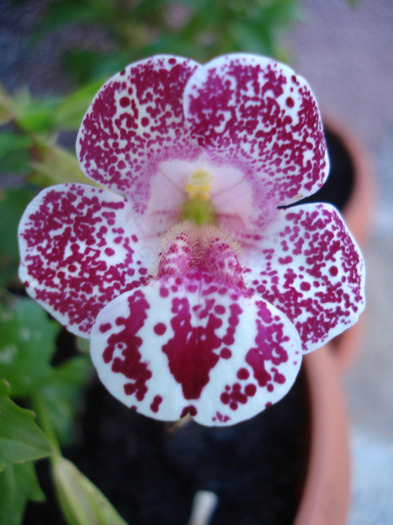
<point>199,29</point>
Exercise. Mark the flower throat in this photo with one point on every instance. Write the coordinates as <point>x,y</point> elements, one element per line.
<point>198,207</point>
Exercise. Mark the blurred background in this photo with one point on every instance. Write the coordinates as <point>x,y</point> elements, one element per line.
<point>55,54</point>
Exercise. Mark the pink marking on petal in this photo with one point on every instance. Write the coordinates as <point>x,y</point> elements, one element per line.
<point>189,410</point>
<point>190,351</point>
<point>155,406</point>
<point>204,342</point>
<point>322,289</point>
<point>160,329</point>
<point>74,261</point>
<point>261,117</point>
<point>129,363</point>
<point>134,123</point>
<point>243,374</point>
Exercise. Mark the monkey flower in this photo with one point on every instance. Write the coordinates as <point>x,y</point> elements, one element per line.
<point>198,284</point>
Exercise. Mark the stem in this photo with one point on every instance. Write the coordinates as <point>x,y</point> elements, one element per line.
<point>203,507</point>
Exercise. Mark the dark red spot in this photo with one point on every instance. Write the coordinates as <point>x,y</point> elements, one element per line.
<point>226,353</point>
<point>305,286</point>
<point>290,103</point>
<point>145,121</point>
<point>105,327</point>
<point>225,398</point>
<point>250,390</point>
<point>155,406</point>
<point>285,260</point>
<point>219,309</point>
<point>164,292</point>
<point>160,329</point>
<point>243,374</point>
<point>189,410</point>
<point>124,102</point>
<point>221,418</point>
<point>279,378</point>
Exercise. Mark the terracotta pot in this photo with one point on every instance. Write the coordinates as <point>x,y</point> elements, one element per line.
<point>357,213</point>
<point>325,495</point>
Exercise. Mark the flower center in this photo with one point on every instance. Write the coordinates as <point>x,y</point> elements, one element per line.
<point>198,208</point>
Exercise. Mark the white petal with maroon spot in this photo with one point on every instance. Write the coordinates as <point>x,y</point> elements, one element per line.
<point>309,266</point>
<point>135,122</point>
<point>258,115</point>
<point>177,347</point>
<point>80,248</point>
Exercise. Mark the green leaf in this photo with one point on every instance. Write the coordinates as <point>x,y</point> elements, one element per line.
<point>88,66</point>
<point>20,438</point>
<point>11,142</point>
<point>18,484</point>
<point>81,501</point>
<point>14,152</point>
<point>83,345</point>
<point>12,204</point>
<point>27,344</point>
<point>36,120</point>
<point>70,111</point>
<point>63,13</point>
<point>56,165</point>
<point>15,163</point>
<point>34,115</point>
<point>61,393</point>
<point>6,106</point>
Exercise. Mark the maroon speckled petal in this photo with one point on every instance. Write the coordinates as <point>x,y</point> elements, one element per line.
<point>78,252</point>
<point>260,116</point>
<point>309,266</point>
<point>194,341</point>
<point>134,123</point>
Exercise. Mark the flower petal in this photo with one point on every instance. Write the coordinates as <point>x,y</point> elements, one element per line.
<point>257,114</point>
<point>77,252</point>
<point>135,122</point>
<point>309,266</point>
<point>185,346</point>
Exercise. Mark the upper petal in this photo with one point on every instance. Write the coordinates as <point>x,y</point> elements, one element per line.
<point>309,266</point>
<point>262,117</point>
<point>135,122</point>
<point>80,247</point>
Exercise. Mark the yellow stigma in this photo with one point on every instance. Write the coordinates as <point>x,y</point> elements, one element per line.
<point>199,185</point>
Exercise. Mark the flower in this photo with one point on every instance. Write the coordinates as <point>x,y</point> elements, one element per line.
<point>199,286</point>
